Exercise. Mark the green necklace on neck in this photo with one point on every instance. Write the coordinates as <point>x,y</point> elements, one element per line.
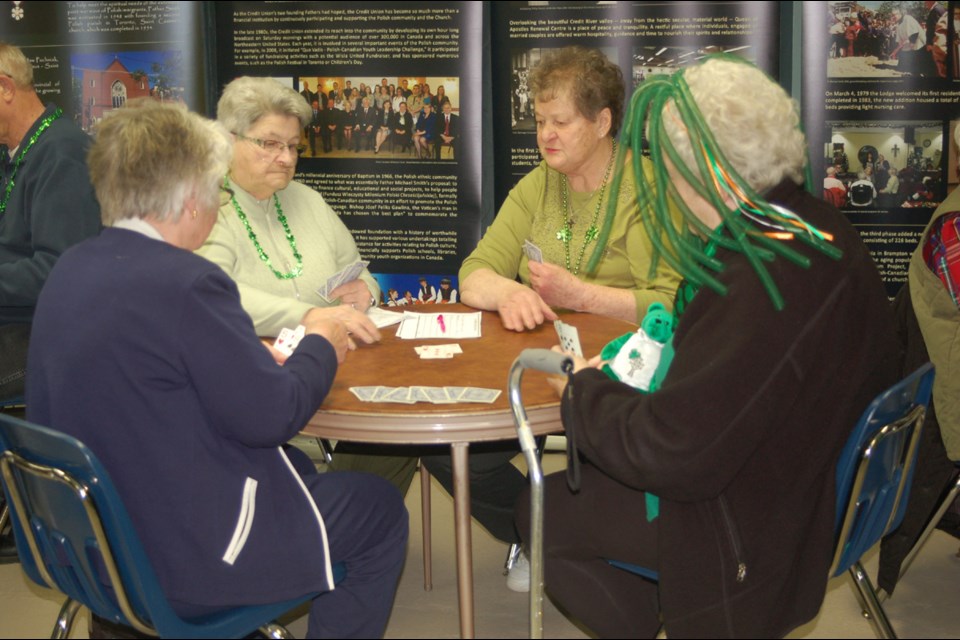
<point>298,269</point>
<point>565,234</point>
<point>44,124</point>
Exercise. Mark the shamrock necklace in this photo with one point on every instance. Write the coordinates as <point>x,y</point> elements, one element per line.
<point>565,234</point>
<point>44,124</point>
<point>298,269</point>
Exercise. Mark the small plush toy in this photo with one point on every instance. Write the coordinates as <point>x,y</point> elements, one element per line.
<point>641,359</point>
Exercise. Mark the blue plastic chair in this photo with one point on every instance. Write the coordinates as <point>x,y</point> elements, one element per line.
<point>74,535</point>
<point>873,481</point>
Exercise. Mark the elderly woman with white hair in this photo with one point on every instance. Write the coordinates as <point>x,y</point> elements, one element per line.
<point>722,478</point>
<point>142,350</point>
<point>281,242</point>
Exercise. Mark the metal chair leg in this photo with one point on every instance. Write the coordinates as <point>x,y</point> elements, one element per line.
<point>68,612</point>
<point>865,588</point>
<point>512,554</point>
<point>325,449</point>
<point>275,630</point>
<point>4,517</point>
<point>425,521</point>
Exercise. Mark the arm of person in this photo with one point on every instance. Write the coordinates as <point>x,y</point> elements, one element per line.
<point>62,211</point>
<point>246,395</point>
<point>488,275</point>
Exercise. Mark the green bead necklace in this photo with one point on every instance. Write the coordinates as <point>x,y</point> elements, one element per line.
<point>565,234</point>
<point>298,269</point>
<point>44,124</point>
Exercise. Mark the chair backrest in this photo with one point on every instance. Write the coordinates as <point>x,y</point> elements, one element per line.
<point>876,466</point>
<point>71,527</point>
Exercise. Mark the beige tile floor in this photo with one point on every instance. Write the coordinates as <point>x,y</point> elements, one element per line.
<point>925,604</point>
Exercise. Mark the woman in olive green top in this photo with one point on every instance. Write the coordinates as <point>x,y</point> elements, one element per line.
<point>559,207</point>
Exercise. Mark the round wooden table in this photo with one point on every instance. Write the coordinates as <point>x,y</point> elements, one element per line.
<point>484,363</point>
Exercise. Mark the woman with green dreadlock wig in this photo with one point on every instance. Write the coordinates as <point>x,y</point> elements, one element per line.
<point>783,336</point>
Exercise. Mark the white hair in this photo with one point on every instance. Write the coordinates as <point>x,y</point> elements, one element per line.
<point>149,157</point>
<point>753,120</point>
<point>247,99</point>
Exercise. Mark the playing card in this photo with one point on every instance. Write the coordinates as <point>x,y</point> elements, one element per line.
<point>288,340</point>
<point>474,394</point>
<point>569,337</point>
<point>534,254</point>
<point>454,393</point>
<point>348,274</point>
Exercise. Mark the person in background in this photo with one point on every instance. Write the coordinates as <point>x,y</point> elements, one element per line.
<point>385,120</point>
<point>730,497</point>
<point>447,294</point>
<point>280,241</point>
<point>425,132</point>
<point>188,380</point>
<point>427,292</point>
<point>46,205</point>
<point>558,206</point>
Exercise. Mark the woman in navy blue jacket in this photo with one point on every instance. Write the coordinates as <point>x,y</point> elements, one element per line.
<point>142,350</point>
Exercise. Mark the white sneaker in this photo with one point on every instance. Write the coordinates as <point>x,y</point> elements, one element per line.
<point>518,578</point>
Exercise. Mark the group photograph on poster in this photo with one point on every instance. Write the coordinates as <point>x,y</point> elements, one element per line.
<point>884,165</point>
<point>655,60</point>
<point>891,40</point>
<point>411,117</point>
<point>521,96</point>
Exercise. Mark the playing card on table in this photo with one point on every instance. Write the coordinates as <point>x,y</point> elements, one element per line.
<point>364,394</point>
<point>474,394</point>
<point>399,394</point>
<point>437,395</point>
<point>441,351</point>
<point>569,337</point>
<point>534,254</point>
<point>454,393</point>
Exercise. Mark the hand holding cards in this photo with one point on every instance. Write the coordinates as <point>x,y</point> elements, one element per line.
<point>347,274</point>
<point>288,340</point>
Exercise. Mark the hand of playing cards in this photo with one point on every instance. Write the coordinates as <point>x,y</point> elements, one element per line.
<point>288,340</point>
<point>534,254</point>
<point>347,274</point>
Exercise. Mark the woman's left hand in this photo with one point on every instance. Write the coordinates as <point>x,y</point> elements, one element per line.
<point>557,286</point>
<point>355,294</point>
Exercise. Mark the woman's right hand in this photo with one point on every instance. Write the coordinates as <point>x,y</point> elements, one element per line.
<point>356,323</point>
<point>333,330</point>
<point>522,308</point>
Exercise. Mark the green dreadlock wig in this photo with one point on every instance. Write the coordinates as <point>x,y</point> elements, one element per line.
<point>665,123</point>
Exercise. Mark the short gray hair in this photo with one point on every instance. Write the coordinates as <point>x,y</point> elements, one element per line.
<point>247,99</point>
<point>14,64</point>
<point>755,123</point>
<point>149,157</point>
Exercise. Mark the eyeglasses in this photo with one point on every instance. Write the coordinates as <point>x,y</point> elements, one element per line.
<point>274,147</point>
<point>226,195</point>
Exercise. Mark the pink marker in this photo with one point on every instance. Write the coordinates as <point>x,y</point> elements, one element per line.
<point>443,327</point>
